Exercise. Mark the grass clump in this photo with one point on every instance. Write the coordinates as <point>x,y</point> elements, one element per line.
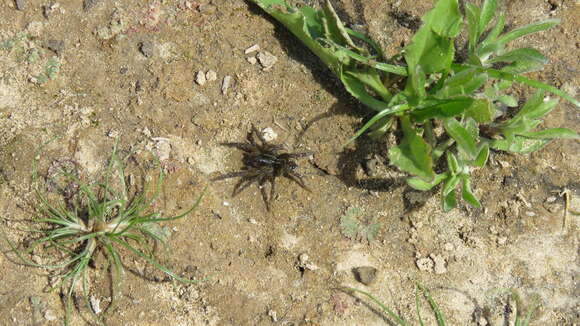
<point>450,109</point>
<point>109,216</point>
<point>523,316</point>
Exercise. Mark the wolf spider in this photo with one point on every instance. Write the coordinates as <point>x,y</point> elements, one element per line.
<point>264,162</point>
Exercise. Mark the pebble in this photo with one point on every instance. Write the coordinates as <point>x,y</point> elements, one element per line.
<point>226,84</point>
<point>95,305</point>
<point>89,4</point>
<point>273,315</point>
<point>439,264</point>
<point>365,274</point>
<point>162,149</point>
<point>113,133</point>
<point>266,59</point>
<point>425,264</point>
<point>252,60</point>
<point>211,75</point>
<point>303,261</point>
<point>49,315</point>
<point>20,4</point>
<point>502,240</point>
<point>200,78</point>
<point>252,48</point>
<point>269,134</point>
<point>146,48</point>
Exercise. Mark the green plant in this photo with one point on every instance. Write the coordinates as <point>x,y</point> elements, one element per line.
<point>101,216</point>
<point>352,228</point>
<point>523,318</point>
<point>448,109</point>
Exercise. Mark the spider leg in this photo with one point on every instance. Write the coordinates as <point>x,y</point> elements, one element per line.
<point>296,178</point>
<point>264,194</point>
<point>272,187</point>
<point>248,148</point>
<point>297,155</point>
<point>244,183</point>
<point>231,175</point>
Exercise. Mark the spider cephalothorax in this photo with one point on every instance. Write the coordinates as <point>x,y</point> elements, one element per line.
<point>264,162</point>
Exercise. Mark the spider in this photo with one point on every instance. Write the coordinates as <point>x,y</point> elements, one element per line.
<point>264,162</point>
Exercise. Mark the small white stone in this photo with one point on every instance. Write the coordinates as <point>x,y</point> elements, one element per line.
<point>269,134</point>
<point>162,149</point>
<point>112,133</point>
<point>253,221</point>
<point>147,132</point>
<point>267,59</point>
<point>211,75</point>
<point>425,264</point>
<point>439,264</point>
<point>273,315</point>
<point>502,240</point>
<point>49,315</point>
<point>200,78</point>
<point>226,204</point>
<point>226,83</point>
<point>303,258</point>
<point>252,48</point>
<point>95,305</point>
<point>252,60</point>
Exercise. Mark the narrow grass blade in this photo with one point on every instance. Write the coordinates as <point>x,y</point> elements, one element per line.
<point>385,309</point>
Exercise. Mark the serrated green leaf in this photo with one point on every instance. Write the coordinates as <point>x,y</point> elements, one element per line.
<point>413,155</point>
<point>450,184</point>
<point>482,156</point>
<point>435,108</point>
<point>420,184</point>
<point>520,67</point>
<point>466,192</point>
<point>449,201</point>
<point>416,82</point>
<point>473,13</point>
<point>536,107</point>
<point>462,83</point>
<point>349,224</point>
<point>334,28</point>
<point>521,145</point>
<point>485,46</point>
<point>528,29</point>
<point>462,136</point>
<point>552,133</point>
<point>370,231</point>
<point>444,19</point>
<point>481,110</point>
<point>358,90</point>
<point>523,54</point>
<point>487,13</point>
<point>452,163</point>
<point>432,46</point>
<point>508,100</point>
